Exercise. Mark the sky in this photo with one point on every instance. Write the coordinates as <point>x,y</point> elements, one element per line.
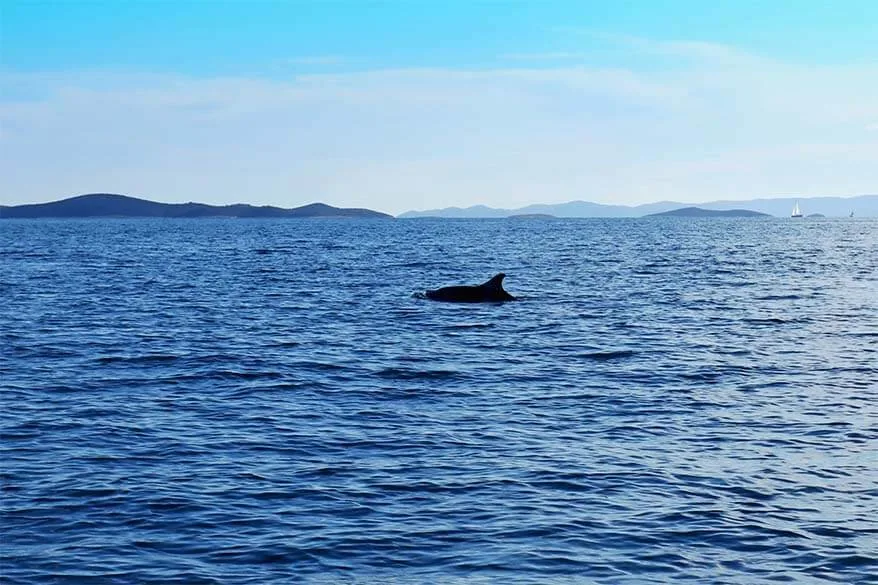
<point>408,104</point>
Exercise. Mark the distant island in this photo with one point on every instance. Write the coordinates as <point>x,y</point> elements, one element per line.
<point>699,212</point>
<point>860,205</point>
<point>112,205</point>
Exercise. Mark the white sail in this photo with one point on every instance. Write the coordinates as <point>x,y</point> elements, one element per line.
<point>796,211</point>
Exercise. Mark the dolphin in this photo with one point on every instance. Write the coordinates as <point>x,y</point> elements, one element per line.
<point>488,292</point>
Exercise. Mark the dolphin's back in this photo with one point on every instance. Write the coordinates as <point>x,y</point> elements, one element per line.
<point>489,292</point>
<point>458,294</point>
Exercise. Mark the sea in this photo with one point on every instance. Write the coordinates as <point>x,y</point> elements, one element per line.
<point>231,401</point>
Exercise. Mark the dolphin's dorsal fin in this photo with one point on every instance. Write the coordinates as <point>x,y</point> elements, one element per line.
<point>495,283</point>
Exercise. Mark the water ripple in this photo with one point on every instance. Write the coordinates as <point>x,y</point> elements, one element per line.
<point>267,402</point>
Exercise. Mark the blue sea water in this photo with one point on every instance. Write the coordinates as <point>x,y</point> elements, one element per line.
<point>235,401</point>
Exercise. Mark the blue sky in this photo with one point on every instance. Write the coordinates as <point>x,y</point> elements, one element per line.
<point>397,105</point>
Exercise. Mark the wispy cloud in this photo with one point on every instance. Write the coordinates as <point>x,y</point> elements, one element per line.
<point>716,53</point>
<point>720,127</point>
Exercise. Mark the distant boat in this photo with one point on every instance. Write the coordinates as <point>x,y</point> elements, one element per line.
<point>796,211</point>
<point>852,213</point>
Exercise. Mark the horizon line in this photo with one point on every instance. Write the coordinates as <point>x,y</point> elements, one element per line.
<point>783,198</point>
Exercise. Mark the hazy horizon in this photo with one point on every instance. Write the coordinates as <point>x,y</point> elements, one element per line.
<point>866,205</point>
<point>399,106</point>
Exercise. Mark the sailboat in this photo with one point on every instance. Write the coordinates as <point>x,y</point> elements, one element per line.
<point>796,211</point>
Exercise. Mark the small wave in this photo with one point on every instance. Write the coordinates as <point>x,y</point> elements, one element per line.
<point>862,334</point>
<point>608,355</point>
<point>410,374</point>
<point>141,359</point>
<point>707,376</point>
<point>320,366</point>
<point>561,485</point>
<point>245,375</point>
<point>287,343</point>
<point>415,264</point>
<point>768,321</point>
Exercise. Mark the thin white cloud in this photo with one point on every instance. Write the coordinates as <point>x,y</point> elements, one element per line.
<point>721,127</point>
<point>716,53</point>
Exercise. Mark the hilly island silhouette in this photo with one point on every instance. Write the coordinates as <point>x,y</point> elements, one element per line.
<point>113,205</point>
